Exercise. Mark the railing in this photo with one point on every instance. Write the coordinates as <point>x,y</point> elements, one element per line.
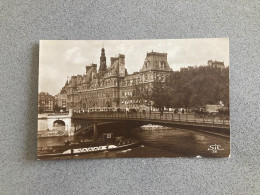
<point>59,114</point>
<point>189,118</point>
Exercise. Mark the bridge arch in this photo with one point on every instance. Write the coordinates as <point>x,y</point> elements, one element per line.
<point>59,125</point>
<point>130,120</point>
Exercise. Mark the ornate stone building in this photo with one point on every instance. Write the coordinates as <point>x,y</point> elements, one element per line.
<point>112,88</point>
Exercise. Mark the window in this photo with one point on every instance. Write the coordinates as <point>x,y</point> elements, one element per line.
<point>162,65</point>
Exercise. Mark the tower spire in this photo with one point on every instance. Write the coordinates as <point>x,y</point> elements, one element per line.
<point>103,64</point>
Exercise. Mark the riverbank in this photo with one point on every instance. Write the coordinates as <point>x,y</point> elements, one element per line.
<point>53,133</point>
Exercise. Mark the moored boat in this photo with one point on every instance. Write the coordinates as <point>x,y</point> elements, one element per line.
<point>108,142</point>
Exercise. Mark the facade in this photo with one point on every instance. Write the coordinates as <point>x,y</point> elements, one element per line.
<point>213,108</point>
<point>187,69</point>
<point>112,88</point>
<point>216,64</point>
<point>46,102</point>
<point>61,99</point>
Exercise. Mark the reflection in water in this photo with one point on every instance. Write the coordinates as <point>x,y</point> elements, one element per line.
<point>181,143</point>
<point>170,142</point>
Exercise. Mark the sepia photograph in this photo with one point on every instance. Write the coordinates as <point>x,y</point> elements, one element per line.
<point>133,99</point>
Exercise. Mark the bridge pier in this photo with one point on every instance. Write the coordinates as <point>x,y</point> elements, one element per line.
<point>95,132</point>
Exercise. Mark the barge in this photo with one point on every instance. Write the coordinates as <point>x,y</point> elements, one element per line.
<point>108,143</point>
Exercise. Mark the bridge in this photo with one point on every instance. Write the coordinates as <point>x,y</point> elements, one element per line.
<point>63,119</point>
<point>211,124</point>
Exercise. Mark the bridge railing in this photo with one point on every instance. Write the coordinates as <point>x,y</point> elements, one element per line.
<point>189,118</point>
<point>59,114</point>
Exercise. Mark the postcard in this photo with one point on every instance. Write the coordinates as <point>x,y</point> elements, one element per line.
<point>133,99</point>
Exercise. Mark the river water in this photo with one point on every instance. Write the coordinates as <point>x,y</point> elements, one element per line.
<point>168,142</point>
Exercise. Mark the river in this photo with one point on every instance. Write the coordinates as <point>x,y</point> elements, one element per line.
<point>168,142</point>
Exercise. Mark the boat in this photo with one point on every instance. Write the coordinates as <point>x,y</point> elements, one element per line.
<point>151,127</point>
<point>108,143</point>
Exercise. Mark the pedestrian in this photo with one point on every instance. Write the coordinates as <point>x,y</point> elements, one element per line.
<point>175,111</point>
<point>161,112</point>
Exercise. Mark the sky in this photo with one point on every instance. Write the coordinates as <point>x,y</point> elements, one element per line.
<point>60,59</point>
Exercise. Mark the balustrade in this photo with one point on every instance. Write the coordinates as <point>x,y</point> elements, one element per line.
<point>190,118</point>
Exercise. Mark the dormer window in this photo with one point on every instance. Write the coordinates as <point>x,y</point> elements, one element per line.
<point>146,64</point>
<point>162,65</point>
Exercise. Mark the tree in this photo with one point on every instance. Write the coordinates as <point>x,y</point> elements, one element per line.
<point>198,86</point>
<point>159,96</point>
<point>56,108</point>
<point>154,94</point>
<point>141,93</point>
<point>192,88</point>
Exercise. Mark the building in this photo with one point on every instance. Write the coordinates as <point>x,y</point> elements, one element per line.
<point>213,108</point>
<point>112,88</point>
<point>61,99</point>
<point>189,68</point>
<point>213,64</point>
<point>46,102</point>
<point>216,64</point>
